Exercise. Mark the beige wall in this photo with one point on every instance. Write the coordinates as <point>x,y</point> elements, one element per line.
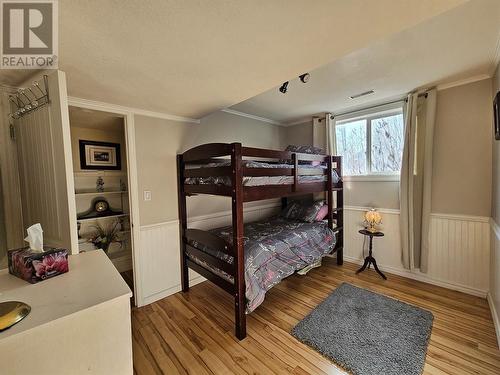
<point>380,194</point>
<point>92,134</point>
<point>495,201</point>
<point>225,127</point>
<point>300,134</point>
<point>157,143</point>
<point>462,150</point>
<point>462,147</point>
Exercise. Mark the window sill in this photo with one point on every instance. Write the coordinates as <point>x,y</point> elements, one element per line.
<point>372,178</point>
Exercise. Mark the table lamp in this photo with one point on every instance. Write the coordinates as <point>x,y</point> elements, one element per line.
<point>372,218</point>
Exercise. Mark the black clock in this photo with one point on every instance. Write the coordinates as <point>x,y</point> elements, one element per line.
<point>98,208</point>
<point>101,205</point>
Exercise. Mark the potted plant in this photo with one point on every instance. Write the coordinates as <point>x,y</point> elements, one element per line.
<point>103,237</point>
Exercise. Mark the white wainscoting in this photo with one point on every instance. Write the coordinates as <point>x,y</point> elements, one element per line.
<point>386,250</point>
<point>494,293</point>
<point>159,259</point>
<point>459,253</point>
<point>459,250</point>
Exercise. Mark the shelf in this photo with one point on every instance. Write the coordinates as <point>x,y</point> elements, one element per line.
<point>93,193</point>
<point>101,217</point>
<point>97,173</point>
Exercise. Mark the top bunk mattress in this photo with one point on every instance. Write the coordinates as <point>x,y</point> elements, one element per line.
<point>260,180</point>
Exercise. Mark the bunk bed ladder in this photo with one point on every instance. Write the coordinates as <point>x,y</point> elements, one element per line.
<point>182,223</point>
<point>239,259</point>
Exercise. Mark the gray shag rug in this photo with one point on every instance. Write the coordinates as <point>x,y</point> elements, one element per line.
<point>367,333</point>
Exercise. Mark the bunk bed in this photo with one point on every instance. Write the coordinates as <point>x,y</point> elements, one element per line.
<point>248,174</point>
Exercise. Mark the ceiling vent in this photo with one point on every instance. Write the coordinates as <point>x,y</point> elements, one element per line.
<point>362,94</point>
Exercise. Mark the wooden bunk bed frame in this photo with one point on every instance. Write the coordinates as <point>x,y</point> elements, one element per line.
<point>239,194</point>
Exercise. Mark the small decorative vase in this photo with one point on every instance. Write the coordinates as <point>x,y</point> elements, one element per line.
<point>100,184</point>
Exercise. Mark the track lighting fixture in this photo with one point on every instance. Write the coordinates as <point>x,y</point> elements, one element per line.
<point>284,88</point>
<point>304,78</point>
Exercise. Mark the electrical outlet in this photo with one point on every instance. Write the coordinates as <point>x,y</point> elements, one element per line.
<point>147,195</point>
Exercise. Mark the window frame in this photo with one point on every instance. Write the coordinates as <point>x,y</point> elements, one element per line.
<point>369,115</point>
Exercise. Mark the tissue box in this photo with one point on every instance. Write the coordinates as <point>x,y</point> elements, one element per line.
<point>35,267</point>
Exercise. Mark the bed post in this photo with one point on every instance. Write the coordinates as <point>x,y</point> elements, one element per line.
<point>284,202</point>
<point>182,222</point>
<point>329,192</point>
<point>340,213</point>
<point>239,260</point>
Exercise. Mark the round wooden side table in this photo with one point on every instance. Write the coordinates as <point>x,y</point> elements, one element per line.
<point>370,259</point>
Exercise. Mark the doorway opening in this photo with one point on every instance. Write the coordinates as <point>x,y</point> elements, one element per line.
<point>101,180</point>
<point>3,232</point>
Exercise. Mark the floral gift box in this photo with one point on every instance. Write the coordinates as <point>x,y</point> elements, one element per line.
<point>34,266</point>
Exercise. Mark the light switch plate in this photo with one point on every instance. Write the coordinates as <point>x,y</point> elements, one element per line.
<point>147,195</point>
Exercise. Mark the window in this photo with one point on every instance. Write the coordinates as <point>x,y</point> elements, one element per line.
<point>371,143</point>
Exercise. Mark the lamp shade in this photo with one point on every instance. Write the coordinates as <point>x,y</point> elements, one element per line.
<point>372,218</point>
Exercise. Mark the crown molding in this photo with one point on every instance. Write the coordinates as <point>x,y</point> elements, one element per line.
<point>253,117</point>
<point>461,82</point>
<point>108,107</point>
<point>300,121</point>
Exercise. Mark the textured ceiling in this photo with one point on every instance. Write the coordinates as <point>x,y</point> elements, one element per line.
<point>192,57</point>
<point>461,43</point>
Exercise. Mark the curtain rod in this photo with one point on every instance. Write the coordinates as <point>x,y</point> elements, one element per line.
<point>423,94</point>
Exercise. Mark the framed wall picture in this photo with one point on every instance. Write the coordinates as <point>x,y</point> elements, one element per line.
<point>99,155</point>
<point>496,115</point>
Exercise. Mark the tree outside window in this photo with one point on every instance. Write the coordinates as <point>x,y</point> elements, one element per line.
<point>372,144</point>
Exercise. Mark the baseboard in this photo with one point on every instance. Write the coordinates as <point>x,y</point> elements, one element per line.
<point>419,276</point>
<point>494,315</point>
<point>168,292</point>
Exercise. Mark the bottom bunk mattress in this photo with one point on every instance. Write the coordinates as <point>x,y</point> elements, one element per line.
<point>274,249</point>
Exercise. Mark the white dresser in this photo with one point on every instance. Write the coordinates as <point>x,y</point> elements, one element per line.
<point>79,322</point>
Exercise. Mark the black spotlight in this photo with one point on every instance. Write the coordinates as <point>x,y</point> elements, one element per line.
<point>284,87</point>
<point>305,77</point>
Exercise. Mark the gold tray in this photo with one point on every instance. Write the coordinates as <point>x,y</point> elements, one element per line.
<point>12,312</point>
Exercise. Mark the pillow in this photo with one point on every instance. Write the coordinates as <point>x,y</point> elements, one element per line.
<point>305,149</point>
<point>322,213</point>
<point>308,214</point>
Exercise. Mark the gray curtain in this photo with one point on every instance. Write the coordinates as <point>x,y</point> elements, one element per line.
<point>331,143</point>
<point>416,179</point>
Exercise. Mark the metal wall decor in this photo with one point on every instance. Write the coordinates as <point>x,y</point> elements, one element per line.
<point>26,100</point>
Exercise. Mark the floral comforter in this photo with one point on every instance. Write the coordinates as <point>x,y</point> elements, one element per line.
<point>274,249</point>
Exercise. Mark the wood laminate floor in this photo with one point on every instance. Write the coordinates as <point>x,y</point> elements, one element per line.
<point>192,333</point>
